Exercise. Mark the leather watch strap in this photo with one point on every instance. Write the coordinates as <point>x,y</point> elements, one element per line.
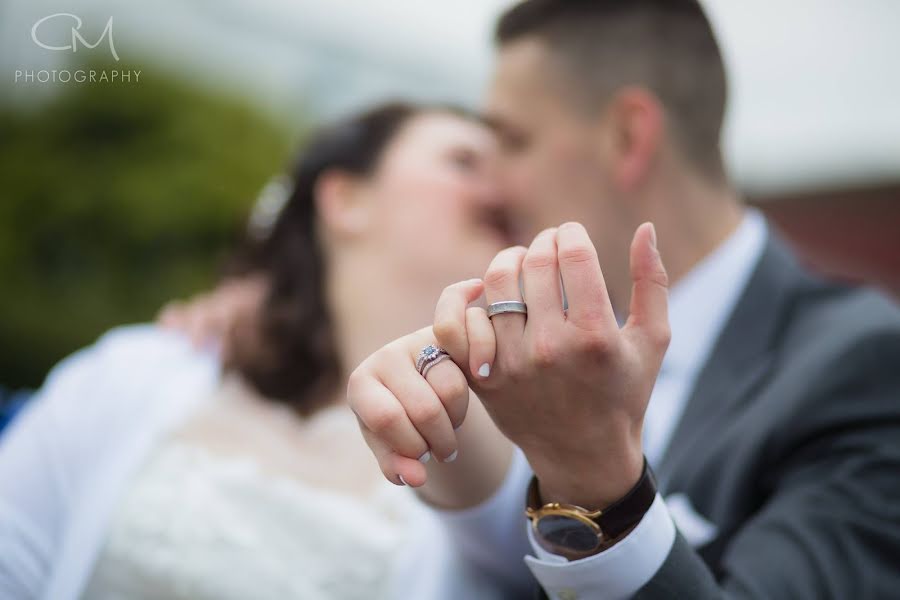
<point>627,512</point>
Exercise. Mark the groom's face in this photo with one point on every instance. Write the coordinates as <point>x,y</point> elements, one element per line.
<point>553,157</point>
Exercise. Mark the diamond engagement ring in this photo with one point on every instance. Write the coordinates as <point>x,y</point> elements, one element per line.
<point>508,306</point>
<point>429,356</point>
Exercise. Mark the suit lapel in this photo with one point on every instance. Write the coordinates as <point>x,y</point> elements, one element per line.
<point>740,358</point>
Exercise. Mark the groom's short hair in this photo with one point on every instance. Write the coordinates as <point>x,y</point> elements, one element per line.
<point>665,46</point>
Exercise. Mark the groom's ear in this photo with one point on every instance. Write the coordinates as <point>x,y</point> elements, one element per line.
<point>341,203</point>
<point>635,130</point>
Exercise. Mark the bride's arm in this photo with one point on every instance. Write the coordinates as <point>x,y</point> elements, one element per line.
<point>36,468</point>
<point>76,441</point>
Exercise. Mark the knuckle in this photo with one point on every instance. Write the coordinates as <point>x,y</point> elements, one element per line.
<point>597,345</point>
<point>544,352</point>
<point>659,277</point>
<point>578,253</point>
<point>427,412</point>
<point>505,369</point>
<point>450,291</point>
<point>539,260</point>
<point>454,388</point>
<point>661,336</point>
<point>455,288</point>
<point>500,276</point>
<point>355,382</point>
<point>448,330</point>
<point>593,313</point>
<point>389,358</point>
<point>388,352</point>
<point>381,419</point>
<point>515,374</point>
<point>474,313</point>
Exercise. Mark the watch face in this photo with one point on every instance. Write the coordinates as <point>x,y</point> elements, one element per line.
<point>558,531</point>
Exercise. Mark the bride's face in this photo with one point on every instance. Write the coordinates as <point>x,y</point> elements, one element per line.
<point>439,215</point>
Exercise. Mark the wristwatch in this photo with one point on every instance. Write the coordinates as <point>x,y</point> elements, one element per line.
<point>575,532</point>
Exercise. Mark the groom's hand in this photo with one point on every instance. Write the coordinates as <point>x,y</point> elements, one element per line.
<point>571,388</point>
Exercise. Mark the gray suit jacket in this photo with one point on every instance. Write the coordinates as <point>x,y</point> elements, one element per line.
<point>790,445</point>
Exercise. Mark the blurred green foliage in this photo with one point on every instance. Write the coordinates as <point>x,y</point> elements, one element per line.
<point>115,199</point>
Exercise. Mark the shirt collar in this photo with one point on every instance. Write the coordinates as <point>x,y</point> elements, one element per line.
<point>703,300</point>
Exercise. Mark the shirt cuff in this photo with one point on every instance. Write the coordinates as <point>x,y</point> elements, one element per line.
<point>618,572</point>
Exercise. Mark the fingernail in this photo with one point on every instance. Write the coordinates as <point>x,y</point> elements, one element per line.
<point>452,457</point>
<point>425,457</point>
<point>403,481</point>
<point>653,236</point>
<point>457,427</point>
<point>484,370</point>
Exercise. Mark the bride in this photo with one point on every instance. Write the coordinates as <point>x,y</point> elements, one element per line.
<point>146,468</point>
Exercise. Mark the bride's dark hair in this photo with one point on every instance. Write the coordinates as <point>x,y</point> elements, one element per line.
<point>294,357</point>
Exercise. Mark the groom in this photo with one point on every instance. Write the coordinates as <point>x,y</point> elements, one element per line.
<point>771,420</point>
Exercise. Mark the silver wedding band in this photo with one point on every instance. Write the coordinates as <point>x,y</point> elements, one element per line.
<point>429,356</point>
<point>508,306</point>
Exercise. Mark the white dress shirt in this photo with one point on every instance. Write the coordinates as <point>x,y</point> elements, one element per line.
<point>496,533</point>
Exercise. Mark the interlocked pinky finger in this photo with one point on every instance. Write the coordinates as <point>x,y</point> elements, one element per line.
<point>482,343</point>
<point>397,469</point>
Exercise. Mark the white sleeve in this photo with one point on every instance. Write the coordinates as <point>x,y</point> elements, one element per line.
<point>618,572</point>
<point>35,480</point>
<point>63,456</point>
<point>491,536</point>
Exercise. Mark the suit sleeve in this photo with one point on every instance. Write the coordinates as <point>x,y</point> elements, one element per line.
<point>831,525</point>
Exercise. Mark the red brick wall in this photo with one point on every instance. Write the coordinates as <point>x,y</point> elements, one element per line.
<point>850,234</point>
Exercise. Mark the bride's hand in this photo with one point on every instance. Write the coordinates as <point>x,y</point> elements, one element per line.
<point>407,419</point>
<point>219,317</point>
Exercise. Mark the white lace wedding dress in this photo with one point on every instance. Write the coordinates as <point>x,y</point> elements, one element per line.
<point>203,521</point>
